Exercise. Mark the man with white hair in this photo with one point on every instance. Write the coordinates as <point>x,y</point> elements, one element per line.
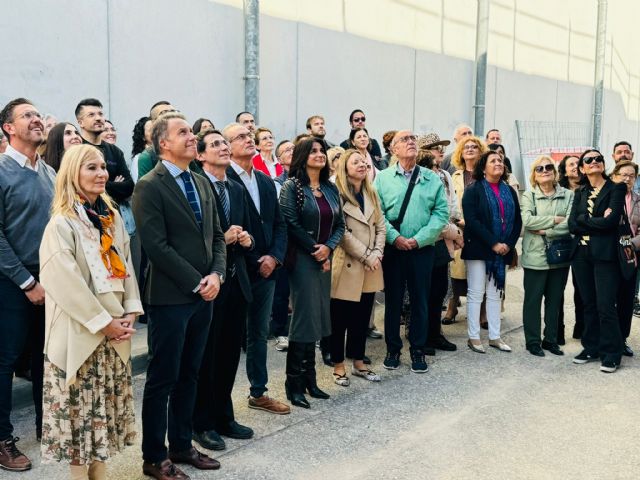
<point>462,131</point>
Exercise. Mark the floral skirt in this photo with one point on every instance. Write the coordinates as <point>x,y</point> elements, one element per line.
<point>93,418</point>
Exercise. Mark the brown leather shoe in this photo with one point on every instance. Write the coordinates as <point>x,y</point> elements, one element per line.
<point>164,471</point>
<point>269,404</point>
<point>11,458</point>
<point>195,458</point>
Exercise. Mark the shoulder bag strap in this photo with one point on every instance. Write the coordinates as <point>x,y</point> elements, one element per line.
<point>407,196</point>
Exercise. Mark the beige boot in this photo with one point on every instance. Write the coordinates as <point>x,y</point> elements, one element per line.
<point>97,471</point>
<point>78,472</point>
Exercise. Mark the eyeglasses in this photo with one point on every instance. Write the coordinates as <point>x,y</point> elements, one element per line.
<point>473,146</point>
<point>30,115</point>
<point>590,160</point>
<point>286,150</point>
<point>544,168</point>
<point>241,137</point>
<point>217,143</point>
<point>626,175</point>
<point>407,139</point>
<point>438,148</point>
<point>359,119</point>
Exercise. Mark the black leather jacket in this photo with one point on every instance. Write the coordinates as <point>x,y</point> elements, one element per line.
<point>303,224</point>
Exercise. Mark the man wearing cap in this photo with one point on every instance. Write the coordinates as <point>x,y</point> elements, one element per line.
<point>462,131</point>
<point>451,237</point>
<point>409,253</point>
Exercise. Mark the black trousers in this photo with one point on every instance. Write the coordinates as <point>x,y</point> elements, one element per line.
<point>21,323</point>
<point>280,307</point>
<point>598,282</point>
<point>177,336</point>
<point>214,408</point>
<point>413,269</point>
<point>626,294</point>
<point>352,318</point>
<point>439,286</point>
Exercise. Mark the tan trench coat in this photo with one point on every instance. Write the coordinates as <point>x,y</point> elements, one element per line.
<point>362,243</point>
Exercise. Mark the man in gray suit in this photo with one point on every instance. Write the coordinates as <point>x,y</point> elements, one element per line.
<point>176,216</point>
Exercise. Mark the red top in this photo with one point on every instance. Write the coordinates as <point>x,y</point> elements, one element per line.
<point>258,164</point>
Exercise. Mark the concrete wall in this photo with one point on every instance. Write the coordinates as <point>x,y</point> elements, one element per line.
<point>131,54</point>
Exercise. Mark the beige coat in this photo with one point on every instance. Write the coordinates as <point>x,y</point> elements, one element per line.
<point>81,299</point>
<point>362,243</point>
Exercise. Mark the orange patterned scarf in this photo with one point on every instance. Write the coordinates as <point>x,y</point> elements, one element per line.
<point>102,218</point>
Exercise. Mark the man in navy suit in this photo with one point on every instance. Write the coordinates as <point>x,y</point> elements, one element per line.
<point>213,415</point>
<point>175,213</point>
<point>270,235</point>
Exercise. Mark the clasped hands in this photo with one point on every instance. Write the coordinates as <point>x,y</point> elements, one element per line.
<point>120,329</point>
<point>234,234</point>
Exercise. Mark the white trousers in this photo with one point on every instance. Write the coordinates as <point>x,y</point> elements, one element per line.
<point>478,284</point>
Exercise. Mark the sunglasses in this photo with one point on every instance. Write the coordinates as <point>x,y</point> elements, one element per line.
<point>359,119</point>
<point>590,160</point>
<point>544,168</point>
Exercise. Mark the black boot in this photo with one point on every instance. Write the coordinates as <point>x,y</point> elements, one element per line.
<point>310,372</point>
<point>325,349</point>
<point>295,384</point>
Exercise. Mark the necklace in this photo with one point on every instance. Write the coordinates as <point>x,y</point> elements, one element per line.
<point>314,189</point>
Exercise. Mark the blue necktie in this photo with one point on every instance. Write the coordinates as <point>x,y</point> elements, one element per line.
<point>191,196</point>
<point>224,199</point>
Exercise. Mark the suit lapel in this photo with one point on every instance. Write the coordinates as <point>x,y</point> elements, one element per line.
<point>606,188</point>
<point>172,185</point>
<point>231,173</point>
<point>224,225</point>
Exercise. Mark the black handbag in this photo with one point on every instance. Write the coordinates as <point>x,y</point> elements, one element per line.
<point>626,251</point>
<point>558,250</point>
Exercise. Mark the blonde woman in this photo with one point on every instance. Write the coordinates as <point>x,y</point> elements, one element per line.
<point>545,212</point>
<point>467,153</point>
<point>88,395</point>
<point>357,269</point>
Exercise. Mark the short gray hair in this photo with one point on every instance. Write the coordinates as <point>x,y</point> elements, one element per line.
<point>160,126</point>
<point>225,130</point>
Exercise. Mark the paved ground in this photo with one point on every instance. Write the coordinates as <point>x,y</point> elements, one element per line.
<point>493,416</point>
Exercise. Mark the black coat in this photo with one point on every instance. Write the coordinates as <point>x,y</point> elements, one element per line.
<point>239,212</point>
<point>602,231</point>
<point>267,227</point>
<point>116,166</point>
<point>478,237</point>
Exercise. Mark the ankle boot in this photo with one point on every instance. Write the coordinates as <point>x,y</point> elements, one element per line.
<point>452,311</point>
<point>97,471</point>
<point>78,472</point>
<point>295,383</point>
<point>310,373</point>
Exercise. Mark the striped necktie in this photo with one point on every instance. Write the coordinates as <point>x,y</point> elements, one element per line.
<point>224,199</point>
<point>191,196</point>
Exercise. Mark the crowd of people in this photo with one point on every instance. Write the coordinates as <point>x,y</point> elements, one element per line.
<point>219,239</point>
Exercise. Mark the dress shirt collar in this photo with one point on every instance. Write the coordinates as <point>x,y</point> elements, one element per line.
<point>21,159</point>
<point>174,170</point>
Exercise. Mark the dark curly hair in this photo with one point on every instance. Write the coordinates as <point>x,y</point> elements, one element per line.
<point>139,142</point>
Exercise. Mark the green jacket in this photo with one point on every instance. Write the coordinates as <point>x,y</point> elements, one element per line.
<point>538,212</point>
<point>427,212</point>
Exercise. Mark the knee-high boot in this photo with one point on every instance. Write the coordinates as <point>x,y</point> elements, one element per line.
<point>310,372</point>
<point>295,383</point>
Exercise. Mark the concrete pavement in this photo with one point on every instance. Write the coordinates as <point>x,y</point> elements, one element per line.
<point>494,416</point>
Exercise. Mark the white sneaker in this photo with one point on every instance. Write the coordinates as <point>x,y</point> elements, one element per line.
<point>282,344</point>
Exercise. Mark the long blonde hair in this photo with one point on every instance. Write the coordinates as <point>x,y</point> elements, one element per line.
<point>344,186</point>
<point>68,180</point>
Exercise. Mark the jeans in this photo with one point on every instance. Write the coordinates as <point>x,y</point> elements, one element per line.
<point>177,336</point>
<point>20,322</point>
<point>257,331</point>
<point>478,284</point>
<point>413,269</point>
<point>598,282</point>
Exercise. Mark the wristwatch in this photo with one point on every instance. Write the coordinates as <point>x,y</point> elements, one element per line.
<point>221,276</point>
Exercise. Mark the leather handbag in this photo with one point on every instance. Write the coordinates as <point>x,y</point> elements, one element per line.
<point>626,251</point>
<point>558,250</point>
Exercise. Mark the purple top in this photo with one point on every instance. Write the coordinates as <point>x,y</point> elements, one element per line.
<point>495,187</point>
<point>326,219</point>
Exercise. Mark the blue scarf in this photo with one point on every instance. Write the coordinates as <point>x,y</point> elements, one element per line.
<point>496,268</point>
